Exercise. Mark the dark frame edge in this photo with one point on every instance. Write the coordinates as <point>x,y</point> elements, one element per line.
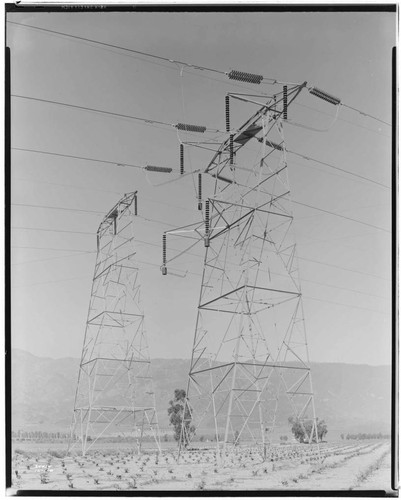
<point>7,267</point>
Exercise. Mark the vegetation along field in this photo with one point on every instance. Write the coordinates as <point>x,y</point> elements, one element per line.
<point>345,465</point>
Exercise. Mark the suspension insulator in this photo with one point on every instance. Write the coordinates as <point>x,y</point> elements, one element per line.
<point>325,96</point>
<point>245,77</point>
<point>199,191</point>
<point>285,102</point>
<point>156,168</point>
<point>207,222</point>
<point>231,149</point>
<point>135,205</point>
<point>227,113</point>
<point>164,268</point>
<point>191,128</point>
<point>181,159</point>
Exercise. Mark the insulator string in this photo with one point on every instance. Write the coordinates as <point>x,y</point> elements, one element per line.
<point>199,191</point>
<point>285,102</point>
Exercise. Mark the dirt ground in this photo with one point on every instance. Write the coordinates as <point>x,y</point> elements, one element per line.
<point>360,465</point>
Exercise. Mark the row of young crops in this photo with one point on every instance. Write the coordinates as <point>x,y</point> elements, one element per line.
<point>242,468</point>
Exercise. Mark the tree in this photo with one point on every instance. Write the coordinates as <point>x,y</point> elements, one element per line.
<point>182,431</point>
<point>321,429</point>
<point>303,429</point>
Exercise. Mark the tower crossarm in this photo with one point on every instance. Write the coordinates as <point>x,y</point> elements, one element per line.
<point>250,129</point>
<point>248,363</point>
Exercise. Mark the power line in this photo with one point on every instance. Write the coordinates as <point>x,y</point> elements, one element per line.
<point>85,108</point>
<point>365,114</point>
<point>147,54</point>
<point>50,282</point>
<point>195,255</point>
<point>308,158</point>
<point>342,268</point>
<point>52,249</point>
<point>72,186</point>
<point>110,113</point>
<point>345,305</point>
<point>339,118</point>
<point>340,216</point>
<point>85,158</point>
<point>121,164</point>
<point>51,230</point>
<point>166,66</point>
<point>51,258</point>
<point>174,61</point>
<point>156,266</point>
<point>342,288</point>
<point>162,222</point>
<point>200,256</point>
<point>57,208</point>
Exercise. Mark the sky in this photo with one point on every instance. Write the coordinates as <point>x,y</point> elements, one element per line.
<point>344,264</point>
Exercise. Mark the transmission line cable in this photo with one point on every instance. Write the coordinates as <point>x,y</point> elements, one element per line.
<point>189,128</point>
<point>345,305</point>
<point>52,249</point>
<point>51,230</point>
<point>115,163</point>
<point>157,245</point>
<point>85,108</point>
<point>51,282</point>
<point>58,208</point>
<point>341,216</point>
<point>308,158</point>
<point>52,258</point>
<point>236,75</point>
<point>365,114</point>
<point>121,164</point>
<point>342,268</point>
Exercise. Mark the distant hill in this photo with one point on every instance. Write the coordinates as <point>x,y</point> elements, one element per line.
<point>349,397</point>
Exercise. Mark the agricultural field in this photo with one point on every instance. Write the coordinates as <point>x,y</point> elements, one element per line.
<point>354,465</point>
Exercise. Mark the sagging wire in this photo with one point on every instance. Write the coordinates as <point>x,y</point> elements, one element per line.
<point>265,80</point>
<point>313,129</point>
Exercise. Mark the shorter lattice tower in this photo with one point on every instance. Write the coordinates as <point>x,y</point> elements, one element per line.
<point>114,394</point>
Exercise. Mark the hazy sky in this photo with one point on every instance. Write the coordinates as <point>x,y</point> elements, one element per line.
<point>347,302</point>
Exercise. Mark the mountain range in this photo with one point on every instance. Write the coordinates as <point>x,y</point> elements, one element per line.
<point>349,397</point>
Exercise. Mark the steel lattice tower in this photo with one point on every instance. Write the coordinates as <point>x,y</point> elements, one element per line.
<point>115,387</point>
<point>250,343</point>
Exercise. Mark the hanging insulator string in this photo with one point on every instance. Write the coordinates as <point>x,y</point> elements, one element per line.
<point>181,159</point>
<point>199,191</point>
<point>207,222</point>
<point>285,102</point>
<point>231,149</point>
<point>227,113</point>
<point>136,204</point>
<point>164,268</point>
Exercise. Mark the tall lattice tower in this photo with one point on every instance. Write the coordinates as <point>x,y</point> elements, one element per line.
<point>250,345</point>
<point>115,388</point>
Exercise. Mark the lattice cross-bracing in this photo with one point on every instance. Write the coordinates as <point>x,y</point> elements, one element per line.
<point>250,344</point>
<point>115,393</point>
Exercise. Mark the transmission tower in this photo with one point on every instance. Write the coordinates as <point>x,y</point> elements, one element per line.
<point>250,347</point>
<point>115,388</point>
